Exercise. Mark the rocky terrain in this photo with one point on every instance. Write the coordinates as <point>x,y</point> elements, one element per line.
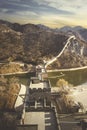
<point>75,55</point>
<point>33,43</point>
<point>28,43</point>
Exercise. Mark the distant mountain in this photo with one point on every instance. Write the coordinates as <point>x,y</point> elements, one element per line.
<point>31,43</point>
<point>77,28</point>
<point>79,31</point>
<point>44,27</point>
<point>68,28</point>
<point>83,34</point>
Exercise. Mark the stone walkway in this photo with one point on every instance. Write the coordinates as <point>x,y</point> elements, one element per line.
<point>44,120</point>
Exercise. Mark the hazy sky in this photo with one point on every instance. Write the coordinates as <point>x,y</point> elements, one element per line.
<point>53,13</point>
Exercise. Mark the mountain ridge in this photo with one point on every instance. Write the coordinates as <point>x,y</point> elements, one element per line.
<point>32,44</point>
